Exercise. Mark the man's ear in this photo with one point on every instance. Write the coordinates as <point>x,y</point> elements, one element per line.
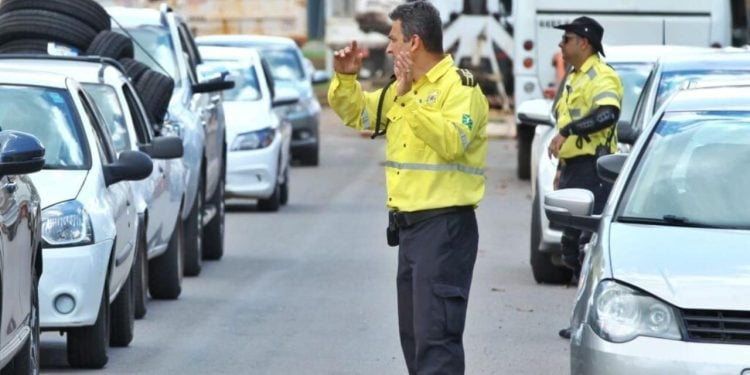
<point>415,43</point>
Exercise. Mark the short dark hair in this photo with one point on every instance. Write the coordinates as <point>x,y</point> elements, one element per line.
<point>423,19</point>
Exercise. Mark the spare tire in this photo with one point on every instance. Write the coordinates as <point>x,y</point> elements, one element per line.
<point>43,24</point>
<point>155,90</point>
<point>86,11</point>
<point>133,68</point>
<point>23,46</point>
<point>111,44</point>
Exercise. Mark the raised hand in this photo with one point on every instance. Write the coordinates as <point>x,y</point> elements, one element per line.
<point>348,60</point>
<point>402,68</point>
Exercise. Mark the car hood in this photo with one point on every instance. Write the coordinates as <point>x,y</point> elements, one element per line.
<point>52,190</point>
<point>242,117</point>
<point>695,268</point>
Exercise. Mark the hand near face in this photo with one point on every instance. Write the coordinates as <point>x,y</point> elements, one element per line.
<point>348,60</point>
<point>402,67</point>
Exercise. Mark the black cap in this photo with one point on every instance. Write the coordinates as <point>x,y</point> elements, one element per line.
<point>588,28</point>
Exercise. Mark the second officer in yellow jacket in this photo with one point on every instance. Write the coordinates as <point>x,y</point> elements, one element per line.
<point>434,119</point>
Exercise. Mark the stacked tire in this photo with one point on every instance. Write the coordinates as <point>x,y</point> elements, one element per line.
<point>80,27</point>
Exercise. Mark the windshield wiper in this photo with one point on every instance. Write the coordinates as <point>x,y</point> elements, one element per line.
<point>672,220</point>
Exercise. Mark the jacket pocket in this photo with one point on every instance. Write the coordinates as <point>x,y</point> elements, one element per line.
<point>453,302</point>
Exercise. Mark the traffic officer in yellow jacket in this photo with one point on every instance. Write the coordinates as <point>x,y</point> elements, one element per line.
<point>434,119</point>
<point>587,113</point>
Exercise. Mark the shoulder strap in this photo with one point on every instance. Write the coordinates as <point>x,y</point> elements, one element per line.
<point>380,109</point>
<point>467,78</point>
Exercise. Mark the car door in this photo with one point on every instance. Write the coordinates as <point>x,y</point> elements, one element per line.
<point>119,197</point>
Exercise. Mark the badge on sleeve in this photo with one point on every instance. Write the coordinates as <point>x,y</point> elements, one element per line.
<point>466,120</point>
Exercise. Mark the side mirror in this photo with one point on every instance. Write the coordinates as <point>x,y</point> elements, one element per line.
<point>625,132</point>
<point>130,166</point>
<point>20,153</point>
<point>535,112</point>
<point>165,147</point>
<point>285,96</point>
<point>608,167</point>
<point>572,208</point>
<point>320,76</point>
<point>213,85</point>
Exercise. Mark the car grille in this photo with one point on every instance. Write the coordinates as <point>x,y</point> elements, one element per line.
<point>726,327</point>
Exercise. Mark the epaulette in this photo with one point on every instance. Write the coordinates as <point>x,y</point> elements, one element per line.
<point>467,78</point>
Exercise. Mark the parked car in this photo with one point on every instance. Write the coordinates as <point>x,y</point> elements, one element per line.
<point>664,281</point>
<point>89,219</point>
<point>259,140</point>
<point>21,251</point>
<point>634,65</point>
<point>164,43</point>
<point>288,69</point>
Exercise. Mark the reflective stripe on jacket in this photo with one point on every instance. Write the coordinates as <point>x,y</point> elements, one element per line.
<point>595,84</point>
<point>436,136</point>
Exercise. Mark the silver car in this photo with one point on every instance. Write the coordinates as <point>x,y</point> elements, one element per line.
<point>665,279</point>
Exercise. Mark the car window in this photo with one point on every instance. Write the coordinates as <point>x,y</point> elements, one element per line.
<point>50,115</point>
<point>104,142</point>
<point>106,100</point>
<point>142,124</point>
<point>639,113</point>
<point>693,169</point>
<point>153,47</point>
<point>673,81</point>
<point>245,78</point>
<point>285,64</point>
<point>633,78</point>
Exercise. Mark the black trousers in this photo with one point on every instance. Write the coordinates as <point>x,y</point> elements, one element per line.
<point>435,266</point>
<point>581,173</point>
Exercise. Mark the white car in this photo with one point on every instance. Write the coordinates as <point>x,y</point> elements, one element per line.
<point>634,64</point>
<point>158,260</point>
<point>258,137</point>
<point>89,216</point>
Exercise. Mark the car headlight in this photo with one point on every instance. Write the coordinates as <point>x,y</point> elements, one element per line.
<point>621,314</point>
<point>253,140</point>
<point>66,224</point>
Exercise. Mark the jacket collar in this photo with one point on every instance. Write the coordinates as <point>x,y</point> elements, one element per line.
<point>442,67</point>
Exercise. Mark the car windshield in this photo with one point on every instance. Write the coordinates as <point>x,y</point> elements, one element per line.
<point>693,172</point>
<point>153,47</point>
<point>285,64</point>
<point>633,78</point>
<point>244,76</point>
<point>48,114</point>
<point>672,81</point>
<point>109,106</point>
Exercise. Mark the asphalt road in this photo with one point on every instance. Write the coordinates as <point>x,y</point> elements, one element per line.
<point>311,289</point>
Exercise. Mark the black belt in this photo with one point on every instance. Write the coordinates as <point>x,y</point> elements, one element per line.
<point>579,159</point>
<point>407,219</point>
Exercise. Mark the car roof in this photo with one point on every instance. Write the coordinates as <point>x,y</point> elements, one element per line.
<point>718,59</point>
<point>211,52</point>
<point>728,98</point>
<point>14,76</point>
<point>86,70</point>
<point>648,53</point>
<point>246,40</point>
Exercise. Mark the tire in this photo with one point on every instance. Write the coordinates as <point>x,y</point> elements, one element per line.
<point>27,361</point>
<point>86,11</point>
<point>155,90</point>
<point>213,233</point>
<point>193,235</point>
<point>165,271</point>
<point>122,318</point>
<point>524,138</point>
<point>140,276</point>
<point>42,24</point>
<point>133,68</point>
<point>87,346</point>
<point>284,193</point>
<point>272,203</point>
<point>25,46</point>
<point>543,269</point>
<point>111,44</point>
<point>311,156</point>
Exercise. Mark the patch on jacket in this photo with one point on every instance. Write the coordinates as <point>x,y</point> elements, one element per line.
<point>466,120</point>
<point>432,98</point>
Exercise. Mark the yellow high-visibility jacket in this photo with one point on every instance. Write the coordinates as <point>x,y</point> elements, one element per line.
<point>436,135</point>
<point>594,85</point>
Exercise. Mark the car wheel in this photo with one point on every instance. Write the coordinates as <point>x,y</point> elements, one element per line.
<point>42,24</point>
<point>311,156</point>
<point>194,234</point>
<point>122,317</point>
<point>86,11</point>
<point>284,193</point>
<point>87,346</point>
<point>25,46</point>
<point>165,271</point>
<point>140,278</point>
<point>213,242</point>
<point>155,90</point>
<point>541,264</point>
<point>133,68</point>
<point>524,138</point>
<point>272,203</point>
<point>111,44</point>
<point>26,361</point>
